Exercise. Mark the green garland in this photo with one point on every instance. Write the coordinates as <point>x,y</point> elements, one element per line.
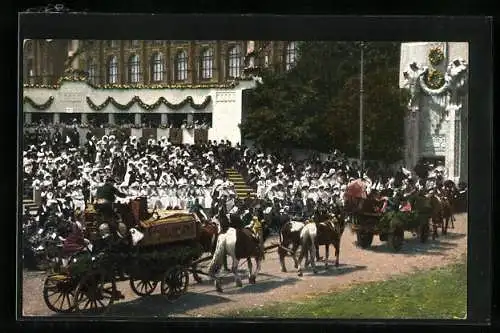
<point>434,79</point>
<point>83,78</point>
<point>436,56</point>
<point>149,107</point>
<point>41,107</point>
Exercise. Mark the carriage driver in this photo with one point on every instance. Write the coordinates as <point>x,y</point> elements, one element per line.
<point>197,209</point>
<point>105,197</point>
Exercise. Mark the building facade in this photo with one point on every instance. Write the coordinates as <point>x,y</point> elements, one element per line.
<point>154,84</point>
<point>436,75</point>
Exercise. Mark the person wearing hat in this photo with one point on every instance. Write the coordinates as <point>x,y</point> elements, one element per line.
<point>105,197</point>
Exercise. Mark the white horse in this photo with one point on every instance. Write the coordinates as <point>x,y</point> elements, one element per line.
<point>238,244</point>
<point>325,233</point>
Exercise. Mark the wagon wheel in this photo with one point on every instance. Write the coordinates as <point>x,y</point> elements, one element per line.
<point>59,293</point>
<point>141,286</point>
<point>175,282</point>
<point>201,266</point>
<point>364,239</point>
<point>396,239</point>
<point>424,232</point>
<point>95,292</point>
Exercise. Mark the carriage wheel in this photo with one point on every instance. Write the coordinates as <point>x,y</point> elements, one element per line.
<point>424,232</point>
<point>95,292</point>
<point>175,282</point>
<point>202,266</point>
<point>59,293</point>
<point>396,239</point>
<point>364,238</point>
<point>142,287</point>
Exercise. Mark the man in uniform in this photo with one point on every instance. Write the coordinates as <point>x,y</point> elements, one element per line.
<point>105,197</point>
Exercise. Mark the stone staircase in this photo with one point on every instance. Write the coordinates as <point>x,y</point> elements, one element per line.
<point>31,205</point>
<point>240,186</point>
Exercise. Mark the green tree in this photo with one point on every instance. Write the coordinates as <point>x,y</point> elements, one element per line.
<point>316,104</point>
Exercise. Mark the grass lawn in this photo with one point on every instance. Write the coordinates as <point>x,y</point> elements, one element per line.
<point>434,294</point>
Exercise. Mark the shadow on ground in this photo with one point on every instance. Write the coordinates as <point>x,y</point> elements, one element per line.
<point>413,246</point>
<point>331,270</point>
<point>263,284</point>
<point>156,305</point>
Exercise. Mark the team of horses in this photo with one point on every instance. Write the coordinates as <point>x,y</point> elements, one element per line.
<point>221,239</point>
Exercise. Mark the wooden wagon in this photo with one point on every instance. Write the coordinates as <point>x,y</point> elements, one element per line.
<point>389,227</point>
<point>165,256</point>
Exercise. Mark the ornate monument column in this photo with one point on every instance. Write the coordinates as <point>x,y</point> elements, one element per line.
<point>437,109</point>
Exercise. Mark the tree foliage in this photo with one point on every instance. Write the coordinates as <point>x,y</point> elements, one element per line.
<point>316,104</point>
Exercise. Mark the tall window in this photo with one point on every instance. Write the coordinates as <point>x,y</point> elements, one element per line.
<point>157,42</point>
<point>30,72</point>
<point>235,61</point>
<point>181,66</point>
<point>157,69</point>
<point>134,43</point>
<point>112,43</point>
<point>113,70</point>
<point>207,64</point>
<point>134,69</point>
<point>291,55</point>
<point>92,71</point>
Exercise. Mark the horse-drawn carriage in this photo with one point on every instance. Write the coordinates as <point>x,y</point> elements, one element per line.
<point>161,248</point>
<point>369,219</point>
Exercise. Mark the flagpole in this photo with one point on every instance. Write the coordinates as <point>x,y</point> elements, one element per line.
<point>361,91</point>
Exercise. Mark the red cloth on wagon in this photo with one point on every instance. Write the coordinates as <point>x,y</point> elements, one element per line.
<point>356,189</point>
<point>74,242</point>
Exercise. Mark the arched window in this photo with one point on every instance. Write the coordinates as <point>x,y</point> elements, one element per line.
<point>113,70</point>
<point>181,66</point>
<point>207,64</point>
<point>235,62</point>
<point>157,67</point>
<point>28,47</point>
<point>291,55</point>
<point>134,69</point>
<point>92,71</point>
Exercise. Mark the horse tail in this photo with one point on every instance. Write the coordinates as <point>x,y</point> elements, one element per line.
<point>218,256</point>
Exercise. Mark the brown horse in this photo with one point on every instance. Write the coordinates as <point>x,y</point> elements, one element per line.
<point>440,213</point>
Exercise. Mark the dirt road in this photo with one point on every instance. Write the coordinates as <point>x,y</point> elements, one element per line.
<point>356,265</point>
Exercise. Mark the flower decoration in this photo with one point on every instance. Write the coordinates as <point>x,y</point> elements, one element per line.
<point>436,56</point>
